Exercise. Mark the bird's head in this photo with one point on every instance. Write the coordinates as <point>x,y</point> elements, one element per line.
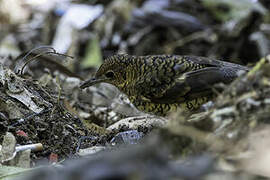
<point>112,71</point>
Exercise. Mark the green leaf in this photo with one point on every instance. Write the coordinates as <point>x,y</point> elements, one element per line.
<point>93,57</point>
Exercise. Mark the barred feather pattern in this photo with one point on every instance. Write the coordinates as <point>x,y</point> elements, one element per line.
<point>160,84</point>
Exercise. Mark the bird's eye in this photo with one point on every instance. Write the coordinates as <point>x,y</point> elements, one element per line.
<point>109,74</point>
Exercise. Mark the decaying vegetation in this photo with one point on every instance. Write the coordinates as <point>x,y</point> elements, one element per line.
<point>47,50</point>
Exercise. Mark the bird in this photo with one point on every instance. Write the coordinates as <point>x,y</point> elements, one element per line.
<point>160,84</point>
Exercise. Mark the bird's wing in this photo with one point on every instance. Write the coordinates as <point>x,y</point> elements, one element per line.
<point>212,62</point>
<point>195,84</point>
<point>184,78</point>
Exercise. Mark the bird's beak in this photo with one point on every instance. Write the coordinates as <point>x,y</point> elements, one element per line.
<point>92,82</point>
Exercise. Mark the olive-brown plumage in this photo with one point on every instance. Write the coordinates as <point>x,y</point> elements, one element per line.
<point>160,83</point>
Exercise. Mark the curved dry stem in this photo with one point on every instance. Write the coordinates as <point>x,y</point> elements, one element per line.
<point>39,55</point>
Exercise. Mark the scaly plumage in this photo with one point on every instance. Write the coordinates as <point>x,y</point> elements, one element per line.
<point>160,83</point>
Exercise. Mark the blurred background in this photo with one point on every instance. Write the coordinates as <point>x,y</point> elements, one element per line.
<point>236,31</point>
